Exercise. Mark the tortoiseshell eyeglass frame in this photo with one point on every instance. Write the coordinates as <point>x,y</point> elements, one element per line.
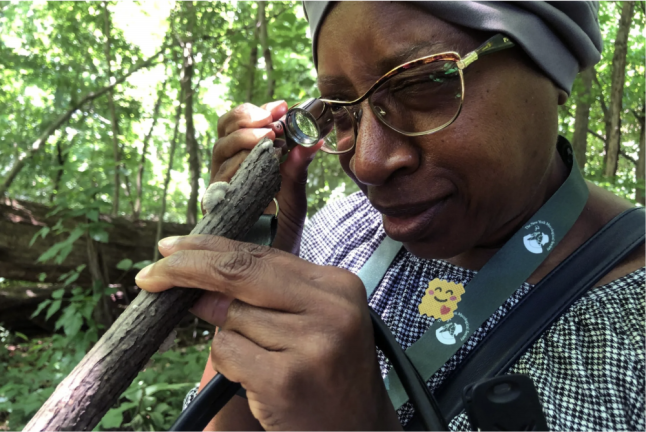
<point>494,44</point>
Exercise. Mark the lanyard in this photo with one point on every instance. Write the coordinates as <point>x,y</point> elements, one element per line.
<point>493,284</point>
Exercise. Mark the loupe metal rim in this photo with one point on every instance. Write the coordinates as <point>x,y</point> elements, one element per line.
<point>295,131</point>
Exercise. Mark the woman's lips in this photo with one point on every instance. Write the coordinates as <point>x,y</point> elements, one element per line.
<point>410,222</point>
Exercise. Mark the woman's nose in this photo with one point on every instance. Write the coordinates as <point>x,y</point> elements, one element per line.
<point>380,152</point>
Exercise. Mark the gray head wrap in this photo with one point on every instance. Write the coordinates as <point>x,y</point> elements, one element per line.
<point>562,38</point>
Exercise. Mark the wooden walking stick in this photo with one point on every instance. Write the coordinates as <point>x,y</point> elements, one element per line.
<point>92,388</point>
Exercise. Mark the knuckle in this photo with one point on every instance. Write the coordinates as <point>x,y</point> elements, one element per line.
<point>237,265</point>
<point>178,260</point>
<point>257,251</point>
<point>234,314</point>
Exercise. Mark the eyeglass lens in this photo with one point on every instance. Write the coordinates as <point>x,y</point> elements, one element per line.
<point>423,99</point>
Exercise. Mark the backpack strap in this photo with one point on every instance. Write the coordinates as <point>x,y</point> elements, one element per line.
<point>541,307</point>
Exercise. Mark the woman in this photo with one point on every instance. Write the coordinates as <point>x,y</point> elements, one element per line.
<point>295,331</point>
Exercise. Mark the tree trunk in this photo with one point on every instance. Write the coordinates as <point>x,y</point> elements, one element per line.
<point>640,171</point>
<point>582,118</point>
<point>20,221</point>
<point>253,59</point>
<point>192,148</point>
<point>264,43</point>
<point>617,88</point>
<point>22,159</point>
<point>113,114</point>
<point>144,151</point>
<point>91,389</point>
<point>59,172</point>
<point>171,156</point>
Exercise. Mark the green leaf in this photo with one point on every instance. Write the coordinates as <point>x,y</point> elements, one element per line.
<point>51,252</point>
<point>22,336</point>
<point>42,276</point>
<point>141,264</point>
<point>64,252</point>
<point>112,419</point>
<point>73,325</point>
<point>58,294</point>
<point>158,419</point>
<point>154,388</point>
<point>125,264</point>
<point>80,268</point>
<point>40,233</point>
<point>40,308</point>
<point>93,215</point>
<point>72,278</point>
<point>53,309</point>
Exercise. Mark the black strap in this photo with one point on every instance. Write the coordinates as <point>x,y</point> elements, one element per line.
<point>546,302</point>
<point>263,231</point>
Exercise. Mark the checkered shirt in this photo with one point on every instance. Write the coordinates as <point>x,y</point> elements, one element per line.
<point>588,367</point>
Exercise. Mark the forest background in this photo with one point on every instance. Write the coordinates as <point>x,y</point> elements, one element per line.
<point>107,120</point>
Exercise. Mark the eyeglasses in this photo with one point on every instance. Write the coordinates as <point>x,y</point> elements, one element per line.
<point>420,97</point>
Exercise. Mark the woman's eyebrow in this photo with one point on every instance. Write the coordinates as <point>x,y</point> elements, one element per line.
<point>410,53</point>
<point>342,87</point>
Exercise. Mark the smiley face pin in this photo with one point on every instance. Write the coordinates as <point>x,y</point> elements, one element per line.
<point>441,299</point>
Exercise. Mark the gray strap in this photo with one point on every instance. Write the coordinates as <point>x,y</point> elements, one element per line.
<point>375,268</point>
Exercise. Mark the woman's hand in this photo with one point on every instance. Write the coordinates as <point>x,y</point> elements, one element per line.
<point>239,131</point>
<point>296,335</point>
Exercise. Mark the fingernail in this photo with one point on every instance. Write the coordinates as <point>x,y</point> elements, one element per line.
<point>270,106</point>
<point>144,272</point>
<point>168,242</point>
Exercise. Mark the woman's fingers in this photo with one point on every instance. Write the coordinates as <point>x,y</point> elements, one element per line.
<point>256,275</point>
<point>239,359</point>
<point>250,116</point>
<point>212,307</point>
<point>243,139</point>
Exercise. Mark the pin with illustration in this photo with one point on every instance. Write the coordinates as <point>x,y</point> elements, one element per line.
<point>441,299</point>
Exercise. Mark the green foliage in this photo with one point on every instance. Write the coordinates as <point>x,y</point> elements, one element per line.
<point>52,54</point>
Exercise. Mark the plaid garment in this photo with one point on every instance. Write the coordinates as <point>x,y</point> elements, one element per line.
<point>588,367</point>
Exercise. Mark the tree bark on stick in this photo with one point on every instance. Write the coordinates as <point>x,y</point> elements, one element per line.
<point>113,114</point>
<point>80,400</point>
<point>264,43</point>
<point>144,151</point>
<point>617,87</point>
<point>171,156</point>
<point>53,127</point>
<point>582,118</point>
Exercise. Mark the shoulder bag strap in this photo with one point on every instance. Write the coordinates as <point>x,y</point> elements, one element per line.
<point>543,305</point>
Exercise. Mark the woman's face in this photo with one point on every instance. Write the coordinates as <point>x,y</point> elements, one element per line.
<point>462,187</point>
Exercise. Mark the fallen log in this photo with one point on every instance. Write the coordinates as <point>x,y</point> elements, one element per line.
<point>85,395</point>
<point>21,220</point>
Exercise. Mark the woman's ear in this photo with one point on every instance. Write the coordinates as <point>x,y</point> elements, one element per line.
<point>562,96</point>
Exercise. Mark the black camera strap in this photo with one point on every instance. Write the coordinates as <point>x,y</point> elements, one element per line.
<point>541,307</point>
<point>459,310</point>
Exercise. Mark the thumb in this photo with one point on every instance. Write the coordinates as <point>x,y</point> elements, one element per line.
<point>295,166</point>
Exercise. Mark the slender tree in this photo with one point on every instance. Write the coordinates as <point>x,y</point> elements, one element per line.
<point>171,156</point>
<point>113,115</point>
<point>582,118</point>
<point>253,58</point>
<point>144,152</point>
<point>186,81</point>
<point>264,43</point>
<point>20,162</point>
<point>617,87</point>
